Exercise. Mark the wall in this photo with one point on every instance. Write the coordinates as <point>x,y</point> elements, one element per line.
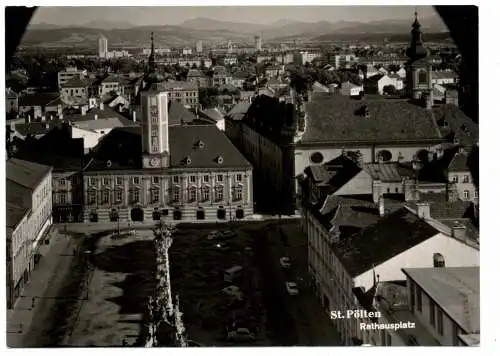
<point>455,253</point>
<point>462,185</point>
<point>90,138</point>
<point>359,184</point>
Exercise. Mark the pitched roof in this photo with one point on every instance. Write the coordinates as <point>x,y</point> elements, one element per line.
<point>391,235</point>
<point>15,214</point>
<point>386,172</point>
<point>178,85</point>
<point>39,99</point>
<point>444,74</point>
<point>465,130</point>
<point>123,147</point>
<point>25,173</point>
<point>178,114</point>
<point>340,119</point>
<point>102,114</point>
<point>213,114</point>
<point>112,79</point>
<point>36,128</point>
<point>194,73</point>
<point>459,163</point>
<point>454,289</point>
<point>75,82</point>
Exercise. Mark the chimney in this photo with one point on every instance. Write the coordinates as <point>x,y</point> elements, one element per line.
<point>84,110</point>
<point>381,205</point>
<point>29,118</point>
<point>438,260</point>
<point>458,231</point>
<point>424,210</point>
<point>95,117</point>
<point>101,106</point>
<point>134,117</point>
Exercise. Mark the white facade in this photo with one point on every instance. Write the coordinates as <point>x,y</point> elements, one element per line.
<point>90,137</point>
<point>102,47</point>
<point>387,80</point>
<point>70,72</point>
<point>464,186</point>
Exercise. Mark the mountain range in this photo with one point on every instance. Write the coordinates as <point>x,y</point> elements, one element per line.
<point>206,29</point>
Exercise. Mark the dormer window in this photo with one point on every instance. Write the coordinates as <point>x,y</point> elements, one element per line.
<point>220,160</point>
<point>108,164</point>
<point>199,144</point>
<point>367,112</point>
<point>188,161</point>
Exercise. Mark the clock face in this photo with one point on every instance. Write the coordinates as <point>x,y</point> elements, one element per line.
<point>155,162</point>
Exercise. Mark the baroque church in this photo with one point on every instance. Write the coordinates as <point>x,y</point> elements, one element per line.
<point>157,171</point>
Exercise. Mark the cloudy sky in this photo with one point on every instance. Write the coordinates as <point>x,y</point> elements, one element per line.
<point>257,14</point>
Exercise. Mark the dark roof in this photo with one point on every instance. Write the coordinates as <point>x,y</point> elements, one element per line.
<point>459,163</point>
<point>25,173</point>
<point>123,147</point>
<point>238,111</point>
<point>178,114</point>
<point>375,244</point>
<point>36,128</point>
<point>112,79</point>
<point>441,210</point>
<point>387,172</point>
<point>15,213</point>
<point>336,172</point>
<point>178,85</point>
<point>39,99</point>
<point>75,82</point>
<point>465,131</point>
<point>341,118</point>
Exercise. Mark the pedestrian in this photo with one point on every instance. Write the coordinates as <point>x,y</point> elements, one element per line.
<point>32,302</point>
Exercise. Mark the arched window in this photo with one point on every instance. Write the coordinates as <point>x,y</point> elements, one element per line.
<point>422,77</point>
<point>205,193</point>
<point>384,156</point>
<point>192,194</point>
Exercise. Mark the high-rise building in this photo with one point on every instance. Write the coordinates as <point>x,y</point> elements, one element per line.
<point>199,46</point>
<point>103,47</point>
<point>258,43</point>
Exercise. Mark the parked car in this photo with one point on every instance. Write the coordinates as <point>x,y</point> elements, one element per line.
<point>213,234</point>
<point>227,233</point>
<point>291,288</point>
<point>240,334</point>
<point>285,262</point>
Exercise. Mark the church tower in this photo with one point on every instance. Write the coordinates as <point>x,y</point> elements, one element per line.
<point>154,123</point>
<point>419,68</point>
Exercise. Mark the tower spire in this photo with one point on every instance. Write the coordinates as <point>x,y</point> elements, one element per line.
<point>151,60</point>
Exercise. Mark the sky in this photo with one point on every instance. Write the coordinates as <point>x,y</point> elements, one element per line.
<point>169,15</point>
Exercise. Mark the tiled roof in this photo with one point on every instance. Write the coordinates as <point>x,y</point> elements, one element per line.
<point>444,74</point>
<point>194,73</point>
<point>25,173</point>
<point>448,210</point>
<point>112,79</point>
<point>105,113</point>
<point>465,130</point>
<point>386,172</point>
<point>459,163</point>
<point>36,128</point>
<point>75,82</point>
<point>39,99</point>
<point>454,289</point>
<point>391,235</point>
<point>15,214</point>
<point>340,118</point>
<point>213,114</point>
<point>123,147</point>
<point>178,114</point>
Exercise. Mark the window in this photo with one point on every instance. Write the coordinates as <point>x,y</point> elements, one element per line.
<point>422,77</point>
<point>92,197</point>
<point>432,313</point>
<point>105,197</point>
<point>192,179</point>
<point>135,180</point>
<point>105,181</point>
<point>154,132</point>
<point>454,179</point>
<point>176,194</point>
<point>155,145</point>
<point>419,299</point>
<point>440,321</point>
<point>175,179</point>
<point>93,181</point>
<point>119,181</point>
<point>466,179</point>
<point>192,194</point>
<point>238,193</point>
<point>62,181</point>
<point>118,196</point>
<point>156,180</point>
<point>155,195</point>
<point>62,198</point>
<point>238,177</point>
<point>206,179</point>
<point>205,193</point>
<point>219,193</point>
<point>476,194</point>
<point>466,194</point>
<point>135,195</point>
<point>316,157</point>
<point>220,177</point>
<point>388,190</point>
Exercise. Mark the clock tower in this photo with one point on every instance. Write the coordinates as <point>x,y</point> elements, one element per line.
<point>154,123</point>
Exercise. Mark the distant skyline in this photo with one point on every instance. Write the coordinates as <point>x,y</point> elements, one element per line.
<point>170,15</point>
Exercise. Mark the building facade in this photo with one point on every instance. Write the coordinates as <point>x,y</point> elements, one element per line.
<point>102,47</point>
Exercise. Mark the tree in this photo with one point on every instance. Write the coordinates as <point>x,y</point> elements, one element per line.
<point>389,90</point>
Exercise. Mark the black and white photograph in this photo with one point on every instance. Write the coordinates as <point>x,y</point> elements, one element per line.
<point>242,176</point>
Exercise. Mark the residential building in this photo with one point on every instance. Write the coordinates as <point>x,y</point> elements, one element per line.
<point>111,83</point>
<point>344,60</point>
<point>102,47</point>
<point>117,54</point>
<point>186,51</point>
<point>444,77</point>
<point>199,46</point>
<point>390,80</point>
<point>196,76</point>
<point>35,106</point>
<point>258,43</point>
<point>220,76</point>
<point>215,116</point>
<point>185,93</point>
<point>461,179</point>
<point>70,73</point>
<point>29,215</point>
<point>303,57</point>
<point>75,91</point>
<point>350,89</point>
<point>230,60</point>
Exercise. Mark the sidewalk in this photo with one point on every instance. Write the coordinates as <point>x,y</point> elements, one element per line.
<point>20,318</point>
